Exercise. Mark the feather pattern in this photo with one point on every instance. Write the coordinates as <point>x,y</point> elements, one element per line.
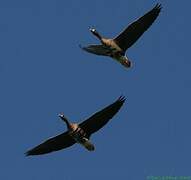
<point>97,49</point>
<point>132,33</point>
<point>101,118</point>
<point>56,143</point>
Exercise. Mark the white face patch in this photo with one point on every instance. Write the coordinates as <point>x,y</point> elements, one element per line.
<point>93,30</point>
<point>61,115</point>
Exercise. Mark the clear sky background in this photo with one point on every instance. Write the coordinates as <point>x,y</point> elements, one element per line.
<point>43,72</point>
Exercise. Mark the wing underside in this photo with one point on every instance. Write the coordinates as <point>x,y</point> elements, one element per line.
<point>53,144</point>
<point>99,119</point>
<point>97,49</point>
<point>132,33</point>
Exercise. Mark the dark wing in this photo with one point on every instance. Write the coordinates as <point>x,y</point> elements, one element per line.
<point>53,144</point>
<point>99,119</point>
<point>132,33</point>
<point>97,49</point>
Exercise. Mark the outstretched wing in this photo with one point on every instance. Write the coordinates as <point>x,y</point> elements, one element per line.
<point>132,33</point>
<point>99,119</point>
<point>53,144</point>
<point>97,49</point>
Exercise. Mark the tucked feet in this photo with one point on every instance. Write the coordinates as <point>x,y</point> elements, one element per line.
<point>126,63</point>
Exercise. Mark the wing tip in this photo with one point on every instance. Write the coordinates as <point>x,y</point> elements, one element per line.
<point>28,153</point>
<point>158,7</point>
<point>31,152</point>
<point>84,48</point>
<point>80,46</point>
<point>121,99</point>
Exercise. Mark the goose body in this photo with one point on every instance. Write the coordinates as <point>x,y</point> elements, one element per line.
<point>116,47</point>
<point>79,133</point>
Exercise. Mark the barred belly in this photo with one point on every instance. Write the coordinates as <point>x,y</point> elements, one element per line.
<point>80,137</point>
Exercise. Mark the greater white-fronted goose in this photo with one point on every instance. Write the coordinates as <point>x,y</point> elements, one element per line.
<point>79,133</point>
<point>117,46</point>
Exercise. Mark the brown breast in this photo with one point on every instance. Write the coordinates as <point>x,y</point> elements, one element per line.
<point>110,43</point>
<point>73,126</point>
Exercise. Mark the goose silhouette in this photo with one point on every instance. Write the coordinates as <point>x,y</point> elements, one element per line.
<point>117,47</point>
<point>79,133</point>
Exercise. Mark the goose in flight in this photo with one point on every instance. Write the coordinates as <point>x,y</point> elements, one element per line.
<point>78,133</point>
<point>116,47</point>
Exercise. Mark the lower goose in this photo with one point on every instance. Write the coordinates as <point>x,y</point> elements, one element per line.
<point>78,133</point>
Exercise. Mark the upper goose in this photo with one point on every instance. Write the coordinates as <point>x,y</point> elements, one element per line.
<point>79,133</point>
<point>117,46</point>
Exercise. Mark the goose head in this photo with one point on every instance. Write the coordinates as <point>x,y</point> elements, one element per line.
<point>61,115</point>
<point>94,32</point>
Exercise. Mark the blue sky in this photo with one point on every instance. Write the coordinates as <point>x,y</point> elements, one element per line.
<point>43,72</point>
